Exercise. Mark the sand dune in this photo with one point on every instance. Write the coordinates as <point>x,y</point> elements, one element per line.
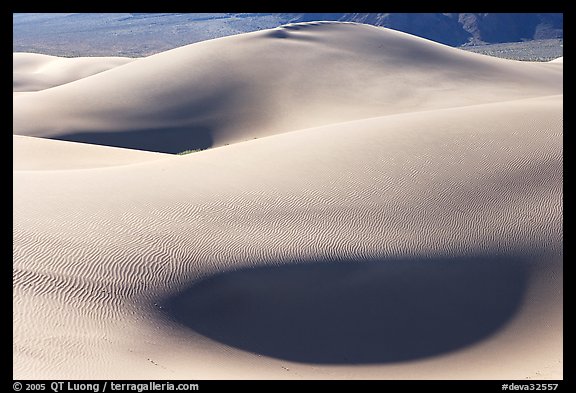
<point>257,84</point>
<point>34,72</point>
<point>46,154</point>
<point>403,223</point>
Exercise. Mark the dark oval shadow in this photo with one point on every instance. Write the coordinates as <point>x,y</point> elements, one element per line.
<point>355,312</point>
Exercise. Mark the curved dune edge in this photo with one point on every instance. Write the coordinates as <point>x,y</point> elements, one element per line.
<point>100,254</point>
<point>42,154</point>
<point>35,72</point>
<point>258,84</point>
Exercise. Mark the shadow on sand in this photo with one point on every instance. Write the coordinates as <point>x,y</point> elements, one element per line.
<point>166,140</point>
<point>346,312</point>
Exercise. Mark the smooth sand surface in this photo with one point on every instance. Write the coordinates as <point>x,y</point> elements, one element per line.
<point>251,85</point>
<point>399,215</point>
<point>34,72</point>
<point>41,154</point>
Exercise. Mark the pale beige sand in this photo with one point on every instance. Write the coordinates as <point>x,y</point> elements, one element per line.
<point>33,71</point>
<point>252,85</point>
<point>47,154</point>
<point>410,233</point>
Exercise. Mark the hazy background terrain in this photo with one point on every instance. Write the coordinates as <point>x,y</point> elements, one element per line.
<point>527,36</point>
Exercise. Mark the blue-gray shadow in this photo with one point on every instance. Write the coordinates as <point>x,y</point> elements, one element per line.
<point>166,140</point>
<point>355,312</point>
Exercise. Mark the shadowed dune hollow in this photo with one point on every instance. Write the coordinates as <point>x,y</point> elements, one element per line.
<point>346,312</point>
<point>174,140</point>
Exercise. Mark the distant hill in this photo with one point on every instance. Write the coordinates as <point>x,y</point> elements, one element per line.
<point>138,34</point>
<point>469,28</point>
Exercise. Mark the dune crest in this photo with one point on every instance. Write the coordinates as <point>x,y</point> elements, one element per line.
<point>35,72</point>
<point>46,154</point>
<point>251,85</point>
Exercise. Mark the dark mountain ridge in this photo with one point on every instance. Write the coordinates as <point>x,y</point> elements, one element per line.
<point>127,34</point>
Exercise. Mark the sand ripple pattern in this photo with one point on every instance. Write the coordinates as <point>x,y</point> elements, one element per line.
<point>138,235</point>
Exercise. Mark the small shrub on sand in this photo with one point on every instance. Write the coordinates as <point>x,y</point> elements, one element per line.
<point>188,151</point>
